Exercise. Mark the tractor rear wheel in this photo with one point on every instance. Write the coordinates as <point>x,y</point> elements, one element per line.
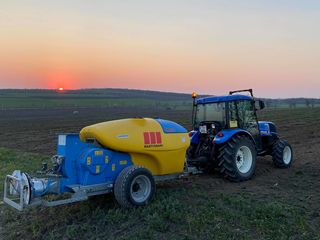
<point>282,154</point>
<point>135,186</point>
<point>237,159</point>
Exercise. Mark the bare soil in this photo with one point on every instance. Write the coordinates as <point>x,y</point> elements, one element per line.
<point>35,131</point>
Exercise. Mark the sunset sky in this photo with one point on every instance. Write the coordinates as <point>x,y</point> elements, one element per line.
<point>208,46</point>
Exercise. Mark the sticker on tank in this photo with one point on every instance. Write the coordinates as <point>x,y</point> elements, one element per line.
<point>152,139</point>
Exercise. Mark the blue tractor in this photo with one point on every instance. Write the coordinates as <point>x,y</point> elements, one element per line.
<point>227,136</point>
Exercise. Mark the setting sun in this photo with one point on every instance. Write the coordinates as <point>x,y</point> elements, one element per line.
<point>60,89</point>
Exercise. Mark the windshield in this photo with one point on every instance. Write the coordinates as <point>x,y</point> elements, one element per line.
<point>211,112</point>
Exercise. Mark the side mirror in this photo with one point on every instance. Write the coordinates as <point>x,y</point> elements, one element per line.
<point>259,105</point>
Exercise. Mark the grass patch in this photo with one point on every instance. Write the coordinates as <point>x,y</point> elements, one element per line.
<point>11,160</point>
<point>177,212</point>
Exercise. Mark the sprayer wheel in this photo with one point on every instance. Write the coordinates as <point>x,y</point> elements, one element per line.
<point>135,186</point>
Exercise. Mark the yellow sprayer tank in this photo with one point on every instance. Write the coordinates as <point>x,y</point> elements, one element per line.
<point>156,144</point>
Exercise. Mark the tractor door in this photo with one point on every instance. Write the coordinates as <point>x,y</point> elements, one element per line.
<point>242,115</point>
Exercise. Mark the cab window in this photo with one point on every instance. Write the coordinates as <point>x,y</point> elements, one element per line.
<point>211,112</point>
<point>242,115</point>
<point>247,117</point>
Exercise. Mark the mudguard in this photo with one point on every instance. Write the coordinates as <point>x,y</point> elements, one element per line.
<point>224,135</point>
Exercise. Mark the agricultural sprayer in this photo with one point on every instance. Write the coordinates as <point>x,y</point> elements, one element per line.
<point>128,156</point>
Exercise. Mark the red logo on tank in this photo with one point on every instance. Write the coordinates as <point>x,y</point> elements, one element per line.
<point>152,139</point>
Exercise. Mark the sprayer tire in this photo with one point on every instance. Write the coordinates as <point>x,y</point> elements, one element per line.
<point>135,186</point>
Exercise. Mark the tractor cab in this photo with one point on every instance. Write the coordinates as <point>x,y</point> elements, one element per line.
<point>230,112</point>
<point>221,121</point>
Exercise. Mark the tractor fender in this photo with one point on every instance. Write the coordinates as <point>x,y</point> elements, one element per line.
<point>224,135</point>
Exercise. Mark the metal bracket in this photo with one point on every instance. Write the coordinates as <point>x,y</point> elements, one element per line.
<point>81,193</point>
<point>244,90</point>
<point>189,171</point>
<point>76,197</point>
<point>19,204</point>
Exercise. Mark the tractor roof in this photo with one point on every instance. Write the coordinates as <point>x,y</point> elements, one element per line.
<point>216,99</point>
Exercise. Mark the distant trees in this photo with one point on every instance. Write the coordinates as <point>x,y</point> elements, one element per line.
<point>313,104</point>
<point>292,104</point>
<point>307,103</point>
<point>310,102</point>
<point>268,103</point>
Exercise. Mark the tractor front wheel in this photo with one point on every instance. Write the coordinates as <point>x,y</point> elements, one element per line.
<point>282,154</point>
<point>237,158</point>
<point>135,186</point>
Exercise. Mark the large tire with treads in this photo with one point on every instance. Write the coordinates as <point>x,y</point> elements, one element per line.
<point>237,158</point>
<point>282,155</point>
<point>135,186</point>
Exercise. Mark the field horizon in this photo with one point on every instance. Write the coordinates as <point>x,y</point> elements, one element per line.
<point>65,90</point>
<point>53,98</point>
